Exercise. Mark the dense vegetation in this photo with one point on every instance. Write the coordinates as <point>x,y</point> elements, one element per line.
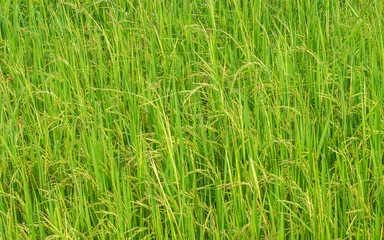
<point>173,119</point>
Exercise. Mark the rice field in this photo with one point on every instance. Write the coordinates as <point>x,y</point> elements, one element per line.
<point>191,119</point>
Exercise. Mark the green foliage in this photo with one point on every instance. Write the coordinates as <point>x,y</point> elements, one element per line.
<point>215,119</point>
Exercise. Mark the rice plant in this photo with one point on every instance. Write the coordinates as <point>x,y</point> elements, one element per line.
<point>171,119</point>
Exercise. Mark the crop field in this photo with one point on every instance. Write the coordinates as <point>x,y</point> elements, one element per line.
<point>191,119</point>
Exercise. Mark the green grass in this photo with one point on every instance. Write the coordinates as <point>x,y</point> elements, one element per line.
<point>129,119</point>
